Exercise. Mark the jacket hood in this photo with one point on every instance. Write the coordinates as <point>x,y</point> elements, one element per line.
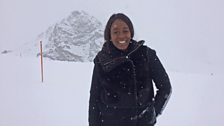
<point>110,57</point>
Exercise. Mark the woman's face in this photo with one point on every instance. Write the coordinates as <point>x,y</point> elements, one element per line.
<point>120,34</point>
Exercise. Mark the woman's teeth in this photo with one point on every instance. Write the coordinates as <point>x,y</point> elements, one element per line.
<point>121,42</point>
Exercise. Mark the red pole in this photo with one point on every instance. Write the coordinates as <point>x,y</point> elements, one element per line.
<point>41,62</point>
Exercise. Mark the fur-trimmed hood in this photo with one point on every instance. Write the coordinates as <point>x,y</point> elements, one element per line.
<point>110,57</point>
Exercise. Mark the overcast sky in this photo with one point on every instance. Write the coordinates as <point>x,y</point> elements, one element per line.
<point>23,20</point>
<point>167,25</point>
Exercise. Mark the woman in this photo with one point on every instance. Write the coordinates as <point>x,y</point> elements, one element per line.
<point>122,91</point>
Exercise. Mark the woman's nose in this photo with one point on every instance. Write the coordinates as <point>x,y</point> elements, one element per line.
<point>121,35</point>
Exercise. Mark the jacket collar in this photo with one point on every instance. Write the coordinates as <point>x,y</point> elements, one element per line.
<point>110,57</point>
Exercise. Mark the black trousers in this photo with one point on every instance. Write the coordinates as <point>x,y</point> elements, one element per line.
<point>127,116</point>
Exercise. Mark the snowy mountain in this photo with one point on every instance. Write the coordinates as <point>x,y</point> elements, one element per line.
<point>77,37</point>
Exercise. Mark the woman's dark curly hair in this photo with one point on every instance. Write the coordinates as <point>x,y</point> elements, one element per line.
<point>122,17</point>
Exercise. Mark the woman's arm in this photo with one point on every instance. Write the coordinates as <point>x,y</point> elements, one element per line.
<point>162,82</point>
<point>94,113</point>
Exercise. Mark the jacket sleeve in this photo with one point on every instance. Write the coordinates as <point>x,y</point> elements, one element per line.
<point>162,82</point>
<point>94,113</point>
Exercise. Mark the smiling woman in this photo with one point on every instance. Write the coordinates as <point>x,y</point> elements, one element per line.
<point>120,34</point>
<point>122,91</point>
<point>119,30</point>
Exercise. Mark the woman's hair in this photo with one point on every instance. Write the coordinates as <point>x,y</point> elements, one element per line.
<point>122,17</point>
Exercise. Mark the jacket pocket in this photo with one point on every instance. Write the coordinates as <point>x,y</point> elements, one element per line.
<point>148,117</point>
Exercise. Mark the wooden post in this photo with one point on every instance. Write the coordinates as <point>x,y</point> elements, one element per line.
<point>41,62</point>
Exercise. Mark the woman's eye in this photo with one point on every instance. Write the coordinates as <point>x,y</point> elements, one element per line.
<point>116,32</point>
<point>126,31</point>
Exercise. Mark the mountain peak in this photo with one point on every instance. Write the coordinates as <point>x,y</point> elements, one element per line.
<point>77,38</point>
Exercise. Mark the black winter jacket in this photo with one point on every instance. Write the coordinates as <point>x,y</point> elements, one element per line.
<point>122,92</point>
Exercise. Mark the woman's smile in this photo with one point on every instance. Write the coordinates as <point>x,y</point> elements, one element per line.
<point>121,42</point>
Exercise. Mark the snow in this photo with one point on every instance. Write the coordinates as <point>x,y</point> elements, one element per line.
<point>62,99</point>
<point>187,35</point>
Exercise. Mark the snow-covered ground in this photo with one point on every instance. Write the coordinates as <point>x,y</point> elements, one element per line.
<point>62,99</point>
